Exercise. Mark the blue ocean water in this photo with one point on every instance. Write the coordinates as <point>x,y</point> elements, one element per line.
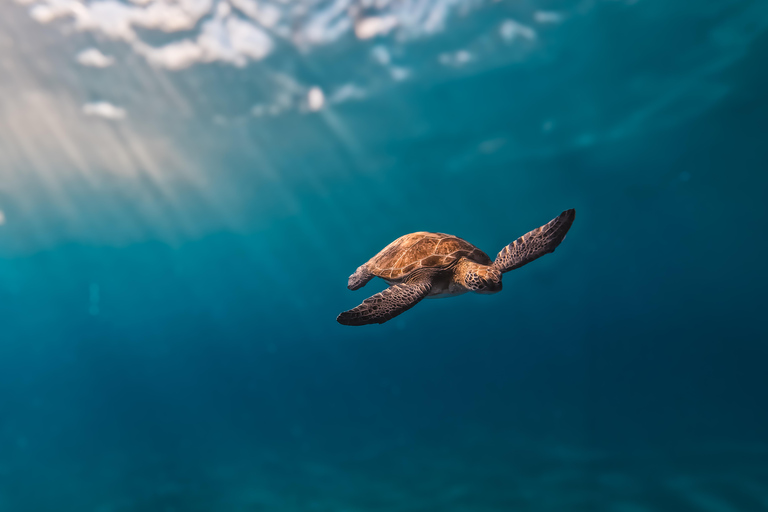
<point>184,193</point>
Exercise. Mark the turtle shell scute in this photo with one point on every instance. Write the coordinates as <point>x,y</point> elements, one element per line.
<point>422,250</point>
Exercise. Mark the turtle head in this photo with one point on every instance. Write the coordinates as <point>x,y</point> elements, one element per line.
<point>482,279</point>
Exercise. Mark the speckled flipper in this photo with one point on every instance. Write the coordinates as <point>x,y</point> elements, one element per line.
<point>386,305</point>
<point>360,278</point>
<point>535,244</point>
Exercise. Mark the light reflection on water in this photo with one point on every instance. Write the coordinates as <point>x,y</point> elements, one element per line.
<point>178,222</point>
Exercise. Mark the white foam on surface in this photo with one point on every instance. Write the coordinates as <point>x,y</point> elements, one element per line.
<point>92,57</point>
<point>374,26</point>
<point>315,99</point>
<point>239,31</point>
<point>347,92</point>
<point>104,110</point>
<point>511,30</point>
<point>455,59</point>
<point>545,17</point>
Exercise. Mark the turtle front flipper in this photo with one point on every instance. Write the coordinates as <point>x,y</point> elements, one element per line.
<point>535,244</point>
<point>387,304</point>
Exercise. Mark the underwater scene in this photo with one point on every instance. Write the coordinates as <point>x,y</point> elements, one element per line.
<point>186,187</point>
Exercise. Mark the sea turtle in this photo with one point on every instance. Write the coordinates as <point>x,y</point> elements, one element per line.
<point>432,265</point>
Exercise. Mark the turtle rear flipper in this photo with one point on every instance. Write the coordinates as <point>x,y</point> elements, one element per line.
<point>360,278</point>
<point>536,243</point>
<point>387,304</point>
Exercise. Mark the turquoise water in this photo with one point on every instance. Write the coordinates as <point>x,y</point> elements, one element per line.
<point>184,193</point>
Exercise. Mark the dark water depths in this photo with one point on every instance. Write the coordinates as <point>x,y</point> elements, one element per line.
<point>167,323</point>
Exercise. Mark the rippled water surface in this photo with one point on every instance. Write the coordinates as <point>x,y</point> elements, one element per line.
<point>185,187</point>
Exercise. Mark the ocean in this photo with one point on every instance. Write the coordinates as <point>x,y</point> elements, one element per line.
<point>185,188</point>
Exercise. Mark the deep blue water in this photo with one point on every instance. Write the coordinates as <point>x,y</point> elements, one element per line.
<point>170,277</point>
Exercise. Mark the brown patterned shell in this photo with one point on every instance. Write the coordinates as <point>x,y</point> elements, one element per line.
<point>420,250</point>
